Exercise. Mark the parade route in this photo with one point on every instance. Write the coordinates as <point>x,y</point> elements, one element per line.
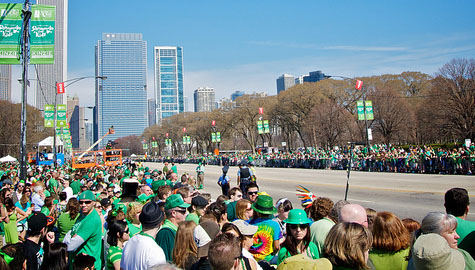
<point>406,195</point>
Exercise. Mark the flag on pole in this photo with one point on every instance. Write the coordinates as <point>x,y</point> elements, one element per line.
<point>359,84</point>
<point>60,88</point>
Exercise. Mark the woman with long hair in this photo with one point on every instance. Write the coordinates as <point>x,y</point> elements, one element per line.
<point>298,237</point>
<point>391,242</point>
<point>132,215</point>
<point>116,236</point>
<point>49,208</point>
<point>185,251</point>
<point>24,204</point>
<point>67,219</point>
<point>55,257</point>
<point>244,210</point>
<point>347,246</point>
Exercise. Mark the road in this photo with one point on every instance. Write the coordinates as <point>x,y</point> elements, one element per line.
<point>406,195</point>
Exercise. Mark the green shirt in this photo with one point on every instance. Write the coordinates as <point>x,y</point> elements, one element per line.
<point>133,229</point>
<point>76,187</point>
<point>466,231</point>
<point>52,184</point>
<point>45,211</point>
<point>89,228</point>
<point>65,223</point>
<point>113,255</point>
<point>166,238</point>
<point>311,252</point>
<point>389,260</point>
<point>194,217</point>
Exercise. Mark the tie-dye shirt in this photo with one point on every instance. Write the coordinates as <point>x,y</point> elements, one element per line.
<point>268,231</point>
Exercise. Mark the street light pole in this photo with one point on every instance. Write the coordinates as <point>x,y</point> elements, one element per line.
<point>25,39</point>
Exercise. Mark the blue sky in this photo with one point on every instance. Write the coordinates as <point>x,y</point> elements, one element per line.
<point>246,45</point>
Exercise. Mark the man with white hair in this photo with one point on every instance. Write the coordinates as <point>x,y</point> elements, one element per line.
<point>38,198</point>
<point>353,213</point>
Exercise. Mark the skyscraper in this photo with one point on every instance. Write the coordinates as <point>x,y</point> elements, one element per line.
<point>168,70</point>
<point>6,82</point>
<point>121,99</point>
<point>152,112</point>
<point>284,82</point>
<point>204,99</point>
<point>50,74</point>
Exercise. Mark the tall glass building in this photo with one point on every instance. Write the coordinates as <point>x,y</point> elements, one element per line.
<point>6,82</point>
<point>168,69</point>
<point>121,99</point>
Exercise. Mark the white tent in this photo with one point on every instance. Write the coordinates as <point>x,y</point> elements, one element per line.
<point>49,141</point>
<point>8,159</point>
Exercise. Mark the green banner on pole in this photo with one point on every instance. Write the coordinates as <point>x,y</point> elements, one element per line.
<point>260,129</point>
<point>360,109</point>
<point>213,137</point>
<point>188,139</point>
<point>42,34</point>
<point>145,146</point>
<point>266,126</point>
<point>218,136</point>
<point>59,133</point>
<point>49,115</point>
<point>10,32</point>
<point>184,139</point>
<point>369,110</point>
<point>61,119</point>
<point>168,141</point>
<point>154,144</point>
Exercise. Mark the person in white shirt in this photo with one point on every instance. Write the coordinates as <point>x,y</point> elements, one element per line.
<point>141,251</point>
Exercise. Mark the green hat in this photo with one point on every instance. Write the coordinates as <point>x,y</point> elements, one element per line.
<point>157,184</point>
<point>146,169</point>
<point>142,198</point>
<point>86,195</point>
<point>174,201</point>
<point>127,172</point>
<point>298,216</point>
<point>264,205</point>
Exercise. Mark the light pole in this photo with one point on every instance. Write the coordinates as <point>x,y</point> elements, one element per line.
<point>70,81</point>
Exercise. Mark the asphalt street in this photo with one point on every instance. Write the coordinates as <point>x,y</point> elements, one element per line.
<point>406,195</point>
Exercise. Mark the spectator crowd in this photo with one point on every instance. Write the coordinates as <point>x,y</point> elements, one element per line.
<point>134,217</point>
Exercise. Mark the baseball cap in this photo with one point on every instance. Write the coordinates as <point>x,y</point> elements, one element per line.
<point>174,201</point>
<point>203,234</point>
<point>86,195</point>
<point>37,222</point>
<point>244,227</point>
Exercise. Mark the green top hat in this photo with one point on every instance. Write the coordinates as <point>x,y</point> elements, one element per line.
<point>264,205</point>
<point>298,216</point>
<point>142,198</point>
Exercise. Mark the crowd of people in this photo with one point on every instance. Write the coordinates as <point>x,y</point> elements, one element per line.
<point>379,158</point>
<point>135,217</point>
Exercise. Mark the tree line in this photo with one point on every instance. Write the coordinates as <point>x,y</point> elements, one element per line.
<point>409,108</point>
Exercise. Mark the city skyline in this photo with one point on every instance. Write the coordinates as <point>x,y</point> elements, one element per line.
<point>342,38</point>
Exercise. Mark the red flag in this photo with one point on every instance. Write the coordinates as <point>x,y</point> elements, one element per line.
<point>261,110</point>
<point>213,123</point>
<point>359,84</point>
<point>166,134</point>
<point>60,88</point>
<point>184,129</point>
<point>153,138</point>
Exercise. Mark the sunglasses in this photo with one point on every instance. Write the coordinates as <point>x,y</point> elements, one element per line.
<point>181,211</point>
<point>84,202</point>
<point>296,226</point>
<point>252,192</point>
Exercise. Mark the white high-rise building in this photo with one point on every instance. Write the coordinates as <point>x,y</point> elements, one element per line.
<point>50,74</point>
<point>204,99</point>
<point>6,82</point>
